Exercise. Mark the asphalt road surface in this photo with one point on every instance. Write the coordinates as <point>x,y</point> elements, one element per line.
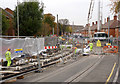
<point>94,68</point>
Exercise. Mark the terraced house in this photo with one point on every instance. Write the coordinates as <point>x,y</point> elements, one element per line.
<point>114,28</point>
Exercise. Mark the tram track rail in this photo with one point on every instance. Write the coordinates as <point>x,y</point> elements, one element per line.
<point>54,59</point>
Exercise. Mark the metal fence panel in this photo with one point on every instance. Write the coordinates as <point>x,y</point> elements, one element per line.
<point>30,46</point>
<point>13,44</point>
<point>50,41</point>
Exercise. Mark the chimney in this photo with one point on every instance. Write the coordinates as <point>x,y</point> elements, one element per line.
<point>86,24</point>
<point>92,23</point>
<point>96,22</point>
<point>105,20</point>
<point>108,19</point>
<point>115,17</point>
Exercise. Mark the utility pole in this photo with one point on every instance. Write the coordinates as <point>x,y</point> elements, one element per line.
<point>72,28</point>
<point>89,33</point>
<point>18,17</point>
<point>57,25</point>
<point>57,31</point>
<point>0,21</point>
<point>108,28</point>
<point>98,28</point>
<point>101,13</point>
<point>53,30</point>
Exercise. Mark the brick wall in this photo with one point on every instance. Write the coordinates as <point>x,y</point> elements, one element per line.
<point>117,33</point>
<point>112,32</point>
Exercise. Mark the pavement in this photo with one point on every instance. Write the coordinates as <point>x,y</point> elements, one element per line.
<point>118,80</point>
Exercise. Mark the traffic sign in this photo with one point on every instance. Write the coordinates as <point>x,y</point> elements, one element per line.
<point>20,50</point>
<point>98,43</point>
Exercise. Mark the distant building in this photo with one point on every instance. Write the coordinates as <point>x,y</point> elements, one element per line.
<point>85,31</point>
<point>8,13</point>
<point>77,29</point>
<point>113,25</point>
<point>114,28</point>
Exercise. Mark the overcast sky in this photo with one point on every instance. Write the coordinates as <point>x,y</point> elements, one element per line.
<point>74,10</point>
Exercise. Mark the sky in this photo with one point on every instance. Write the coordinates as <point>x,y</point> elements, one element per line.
<point>74,10</point>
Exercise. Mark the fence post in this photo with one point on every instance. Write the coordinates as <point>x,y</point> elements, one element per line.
<point>82,45</point>
<point>38,58</point>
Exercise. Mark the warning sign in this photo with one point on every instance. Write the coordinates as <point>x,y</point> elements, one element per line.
<point>20,50</point>
<point>98,43</point>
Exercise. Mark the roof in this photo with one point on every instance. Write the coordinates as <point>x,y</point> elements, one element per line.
<point>77,27</point>
<point>113,24</point>
<point>85,28</point>
<point>99,32</point>
<point>9,12</point>
<point>93,27</point>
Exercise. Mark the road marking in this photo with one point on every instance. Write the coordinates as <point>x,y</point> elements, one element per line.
<point>111,73</point>
<point>116,76</point>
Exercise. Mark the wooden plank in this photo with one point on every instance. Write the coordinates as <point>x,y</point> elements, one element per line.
<point>7,67</point>
<point>9,72</point>
<point>20,77</point>
<point>11,80</point>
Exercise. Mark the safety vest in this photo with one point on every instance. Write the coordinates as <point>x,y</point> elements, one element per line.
<point>8,54</point>
<point>60,38</point>
<point>91,44</point>
<point>75,50</point>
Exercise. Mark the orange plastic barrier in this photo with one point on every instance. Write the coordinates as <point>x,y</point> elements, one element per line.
<point>110,49</point>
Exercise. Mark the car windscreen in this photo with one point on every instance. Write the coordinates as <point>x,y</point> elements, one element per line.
<point>101,35</point>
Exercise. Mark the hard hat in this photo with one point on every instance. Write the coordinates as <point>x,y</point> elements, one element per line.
<point>8,49</point>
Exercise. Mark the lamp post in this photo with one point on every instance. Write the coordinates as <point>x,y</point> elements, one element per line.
<point>53,30</point>
<point>57,30</point>
<point>18,18</point>
<point>99,16</point>
<point>108,28</point>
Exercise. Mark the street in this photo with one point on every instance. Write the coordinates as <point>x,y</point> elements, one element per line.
<point>85,69</point>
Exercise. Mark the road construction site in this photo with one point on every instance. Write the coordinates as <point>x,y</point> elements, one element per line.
<point>57,62</point>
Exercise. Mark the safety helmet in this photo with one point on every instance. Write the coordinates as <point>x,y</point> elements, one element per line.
<point>75,47</point>
<point>8,49</point>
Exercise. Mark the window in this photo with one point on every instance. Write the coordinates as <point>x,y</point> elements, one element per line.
<point>106,30</point>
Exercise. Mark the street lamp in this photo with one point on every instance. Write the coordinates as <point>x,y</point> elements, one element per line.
<point>18,17</point>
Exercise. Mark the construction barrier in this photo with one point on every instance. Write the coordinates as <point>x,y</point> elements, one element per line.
<point>110,49</point>
<point>20,46</point>
<point>50,47</point>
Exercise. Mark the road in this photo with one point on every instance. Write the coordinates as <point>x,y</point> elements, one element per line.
<point>93,68</point>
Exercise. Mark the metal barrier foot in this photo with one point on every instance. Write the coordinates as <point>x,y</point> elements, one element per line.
<point>39,71</point>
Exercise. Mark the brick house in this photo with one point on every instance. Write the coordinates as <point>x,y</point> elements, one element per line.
<point>117,30</point>
<point>85,31</point>
<point>114,28</point>
<point>93,28</point>
<point>113,25</point>
<point>8,13</point>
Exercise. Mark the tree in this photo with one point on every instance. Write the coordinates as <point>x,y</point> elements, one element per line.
<point>30,18</point>
<point>63,25</point>
<point>115,5</point>
<point>48,23</point>
<point>5,25</point>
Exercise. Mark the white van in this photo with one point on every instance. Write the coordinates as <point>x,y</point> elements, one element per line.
<point>101,36</point>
